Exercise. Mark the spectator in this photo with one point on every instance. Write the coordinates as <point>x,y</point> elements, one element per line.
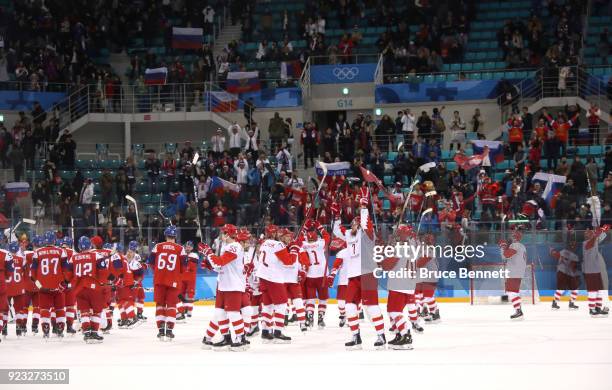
<point>593,114</point>
<point>168,168</point>
<point>121,183</point>
<point>283,159</point>
<point>235,135</point>
<point>87,193</point>
<point>424,124</point>
<point>106,187</point>
<point>218,143</point>
<point>276,129</point>
<point>457,127</point>
<point>219,214</point>
<point>153,167</point>
<point>28,145</point>
<point>310,140</point>
<point>16,158</point>
<point>249,109</point>
<point>68,151</point>
<point>408,122</point>
<point>477,121</point>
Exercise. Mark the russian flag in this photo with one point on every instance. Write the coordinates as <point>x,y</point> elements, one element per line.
<point>156,76</point>
<point>341,168</point>
<point>187,38</point>
<point>468,162</point>
<point>221,101</point>
<point>17,189</point>
<point>239,82</point>
<point>290,69</point>
<point>552,186</point>
<point>496,149</point>
<point>219,185</point>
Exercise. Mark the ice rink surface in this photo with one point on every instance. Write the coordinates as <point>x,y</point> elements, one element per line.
<point>474,347</point>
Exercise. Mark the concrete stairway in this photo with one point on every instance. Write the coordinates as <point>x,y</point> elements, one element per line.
<point>228,33</point>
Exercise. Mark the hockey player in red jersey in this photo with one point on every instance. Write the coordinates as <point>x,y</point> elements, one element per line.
<point>66,245</point>
<point>16,288</point>
<point>274,259</point>
<point>515,257</point>
<point>592,268</point>
<point>167,260</point>
<point>294,276</point>
<point>31,289</point>
<point>188,285</point>
<point>231,283</point>
<point>6,272</point>
<point>316,284</point>
<point>362,285</point>
<point>136,262</point>
<point>98,245</point>
<point>124,284</point>
<point>89,278</point>
<point>48,266</point>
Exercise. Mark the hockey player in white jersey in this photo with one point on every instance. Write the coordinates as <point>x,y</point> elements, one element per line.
<point>362,285</point>
<point>316,283</point>
<point>594,271</point>
<point>568,274</point>
<point>252,284</point>
<point>294,277</point>
<point>515,257</point>
<point>274,259</point>
<point>231,284</point>
<point>401,286</point>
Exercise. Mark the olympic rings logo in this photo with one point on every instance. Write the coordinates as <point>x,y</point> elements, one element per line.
<point>345,73</point>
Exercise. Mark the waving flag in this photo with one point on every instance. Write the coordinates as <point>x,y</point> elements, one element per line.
<point>239,82</point>
<point>468,162</point>
<point>552,186</point>
<point>221,101</point>
<point>290,70</point>
<point>496,149</point>
<point>156,76</point>
<point>187,38</point>
<point>369,177</point>
<point>219,185</point>
<point>334,169</point>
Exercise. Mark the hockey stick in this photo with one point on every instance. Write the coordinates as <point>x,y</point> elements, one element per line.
<point>12,230</point>
<point>427,211</point>
<point>401,216</point>
<point>316,197</point>
<point>133,201</point>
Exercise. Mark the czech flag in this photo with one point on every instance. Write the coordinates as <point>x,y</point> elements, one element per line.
<point>156,76</point>
<point>221,101</point>
<point>496,149</point>
<point>187,38</point>
<point>240,82</point>
<point>290,70</point>
<point>219,186</point>
<point>552,186</point>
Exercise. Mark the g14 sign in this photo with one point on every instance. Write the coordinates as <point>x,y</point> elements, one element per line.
<point>344,103</point>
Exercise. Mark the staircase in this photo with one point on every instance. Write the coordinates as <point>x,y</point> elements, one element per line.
<point>228,33</point>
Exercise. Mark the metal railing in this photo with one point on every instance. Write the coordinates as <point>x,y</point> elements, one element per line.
<point>344,59</point>
<point>398,78</point>
<point>30,86</point>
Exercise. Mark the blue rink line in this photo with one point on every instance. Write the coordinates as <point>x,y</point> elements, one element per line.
<point>537,254</point>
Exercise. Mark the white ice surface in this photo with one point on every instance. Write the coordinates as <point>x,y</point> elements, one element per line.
<point>472,348</point>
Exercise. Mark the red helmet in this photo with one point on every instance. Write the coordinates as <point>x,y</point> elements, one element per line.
<point>97,242</point>
<point>230,230</point>
<point>271,230</point>
<point>337,244</point>
<point>405,231</point>
<point>312,235</point>
<point>243,236</point>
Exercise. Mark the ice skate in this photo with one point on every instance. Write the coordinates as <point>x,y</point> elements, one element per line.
<point>94,338</point>
<point>161,334</point>
<point>309,320</point>
<point>417,327</point>
<point>380,343</point>
<point>266,337</point>
<point>238,345</point>
<point>342,321</point>
<point>573,306</point>
<point>180,318</point>
<point>320,322</point>
<point>517,316</point>
<point>555,305</point>
<point>206,343</point>
<point>223,344</point>
<point>403,343</point>
<point>169,335</point>
<point>355,343</point>
<point>280,338</point>
<point>254,330</point>
<point>434,318</point>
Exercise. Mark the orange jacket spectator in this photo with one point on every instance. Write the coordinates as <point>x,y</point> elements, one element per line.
<point>515,130</point>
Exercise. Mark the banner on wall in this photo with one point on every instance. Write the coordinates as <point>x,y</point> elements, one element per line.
<point>342,73</point>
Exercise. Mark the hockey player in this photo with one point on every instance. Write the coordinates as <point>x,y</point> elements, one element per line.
<point>15,288</point>
<point>515,257</point>
<point>48,266</point>
<point>316,284</point>
<point>98,246</point>
<point>592,268</point>
<point>362,285</point>
<point>339,268</point>
<point>31,289</point>
<point>167,260</point>
<point>295,274</point>
<point>568,274</point>
<point>426,285</point>
<point>124,284</point>
<point>252,286</point>
<point>189,282</point>
<point>274,259</point>
<point>136,262</point>
<point>243,237</point>
<point>66,244</point>
<point>231,283</point>
<point>87,267</point>
<point>6,270</point>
